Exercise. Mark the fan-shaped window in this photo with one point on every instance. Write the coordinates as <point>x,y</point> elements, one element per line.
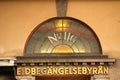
<point>62,35</point>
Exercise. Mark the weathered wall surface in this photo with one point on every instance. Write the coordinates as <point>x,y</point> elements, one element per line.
<point>19,18</point>
<point>115,71</point>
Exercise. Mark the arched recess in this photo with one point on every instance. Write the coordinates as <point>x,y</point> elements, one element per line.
<point>62,35</point>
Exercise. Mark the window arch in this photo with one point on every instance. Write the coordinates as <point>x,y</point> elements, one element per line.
<point>62,35</point>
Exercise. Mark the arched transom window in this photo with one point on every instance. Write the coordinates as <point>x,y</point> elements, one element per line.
<point>62,35</point>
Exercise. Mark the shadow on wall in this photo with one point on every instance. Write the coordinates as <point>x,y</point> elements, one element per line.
<point>3,77</point>
<point>6,75</point>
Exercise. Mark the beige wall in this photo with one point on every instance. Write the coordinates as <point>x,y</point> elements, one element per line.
<point>19,18</point>
<point>104,18</point>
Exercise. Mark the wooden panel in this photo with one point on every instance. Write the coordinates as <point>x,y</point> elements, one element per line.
<point>67,77</point>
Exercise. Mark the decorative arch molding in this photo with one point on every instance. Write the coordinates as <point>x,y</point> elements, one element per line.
<point>56,31</point>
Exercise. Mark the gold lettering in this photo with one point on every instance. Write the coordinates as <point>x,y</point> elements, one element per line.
<point>43,71</point>
<point>70,71</point>
<point>49,70</point>
<point>106,71</point>
<point>61,70</point>
<point>33,71</point>
<point>84,70</point>
<point>38,71</point>
<point>19,71</point>
<point>79,70</point>
<point>27,71</point>
<point>94,70</point>
<point>100,70</point>
<point>74,70</point>
<point>55,71</point>
<point>89,70</point>
<point>66,71</point>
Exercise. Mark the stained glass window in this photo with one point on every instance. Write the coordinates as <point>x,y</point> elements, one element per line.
<point>63,35</point>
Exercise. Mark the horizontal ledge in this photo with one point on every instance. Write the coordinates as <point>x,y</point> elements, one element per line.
<point>61,55</point>
<point>7,58</point>
<point>64,60</point>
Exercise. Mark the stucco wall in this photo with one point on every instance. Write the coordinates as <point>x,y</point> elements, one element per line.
<point>19,18</point>
<point>115,71</point>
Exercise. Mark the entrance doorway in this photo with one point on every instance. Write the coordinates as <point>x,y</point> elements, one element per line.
<point>66,77</point>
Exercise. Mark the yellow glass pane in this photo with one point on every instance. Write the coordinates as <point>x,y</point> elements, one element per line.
<point>60,24</point>
<point>62,49</point>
